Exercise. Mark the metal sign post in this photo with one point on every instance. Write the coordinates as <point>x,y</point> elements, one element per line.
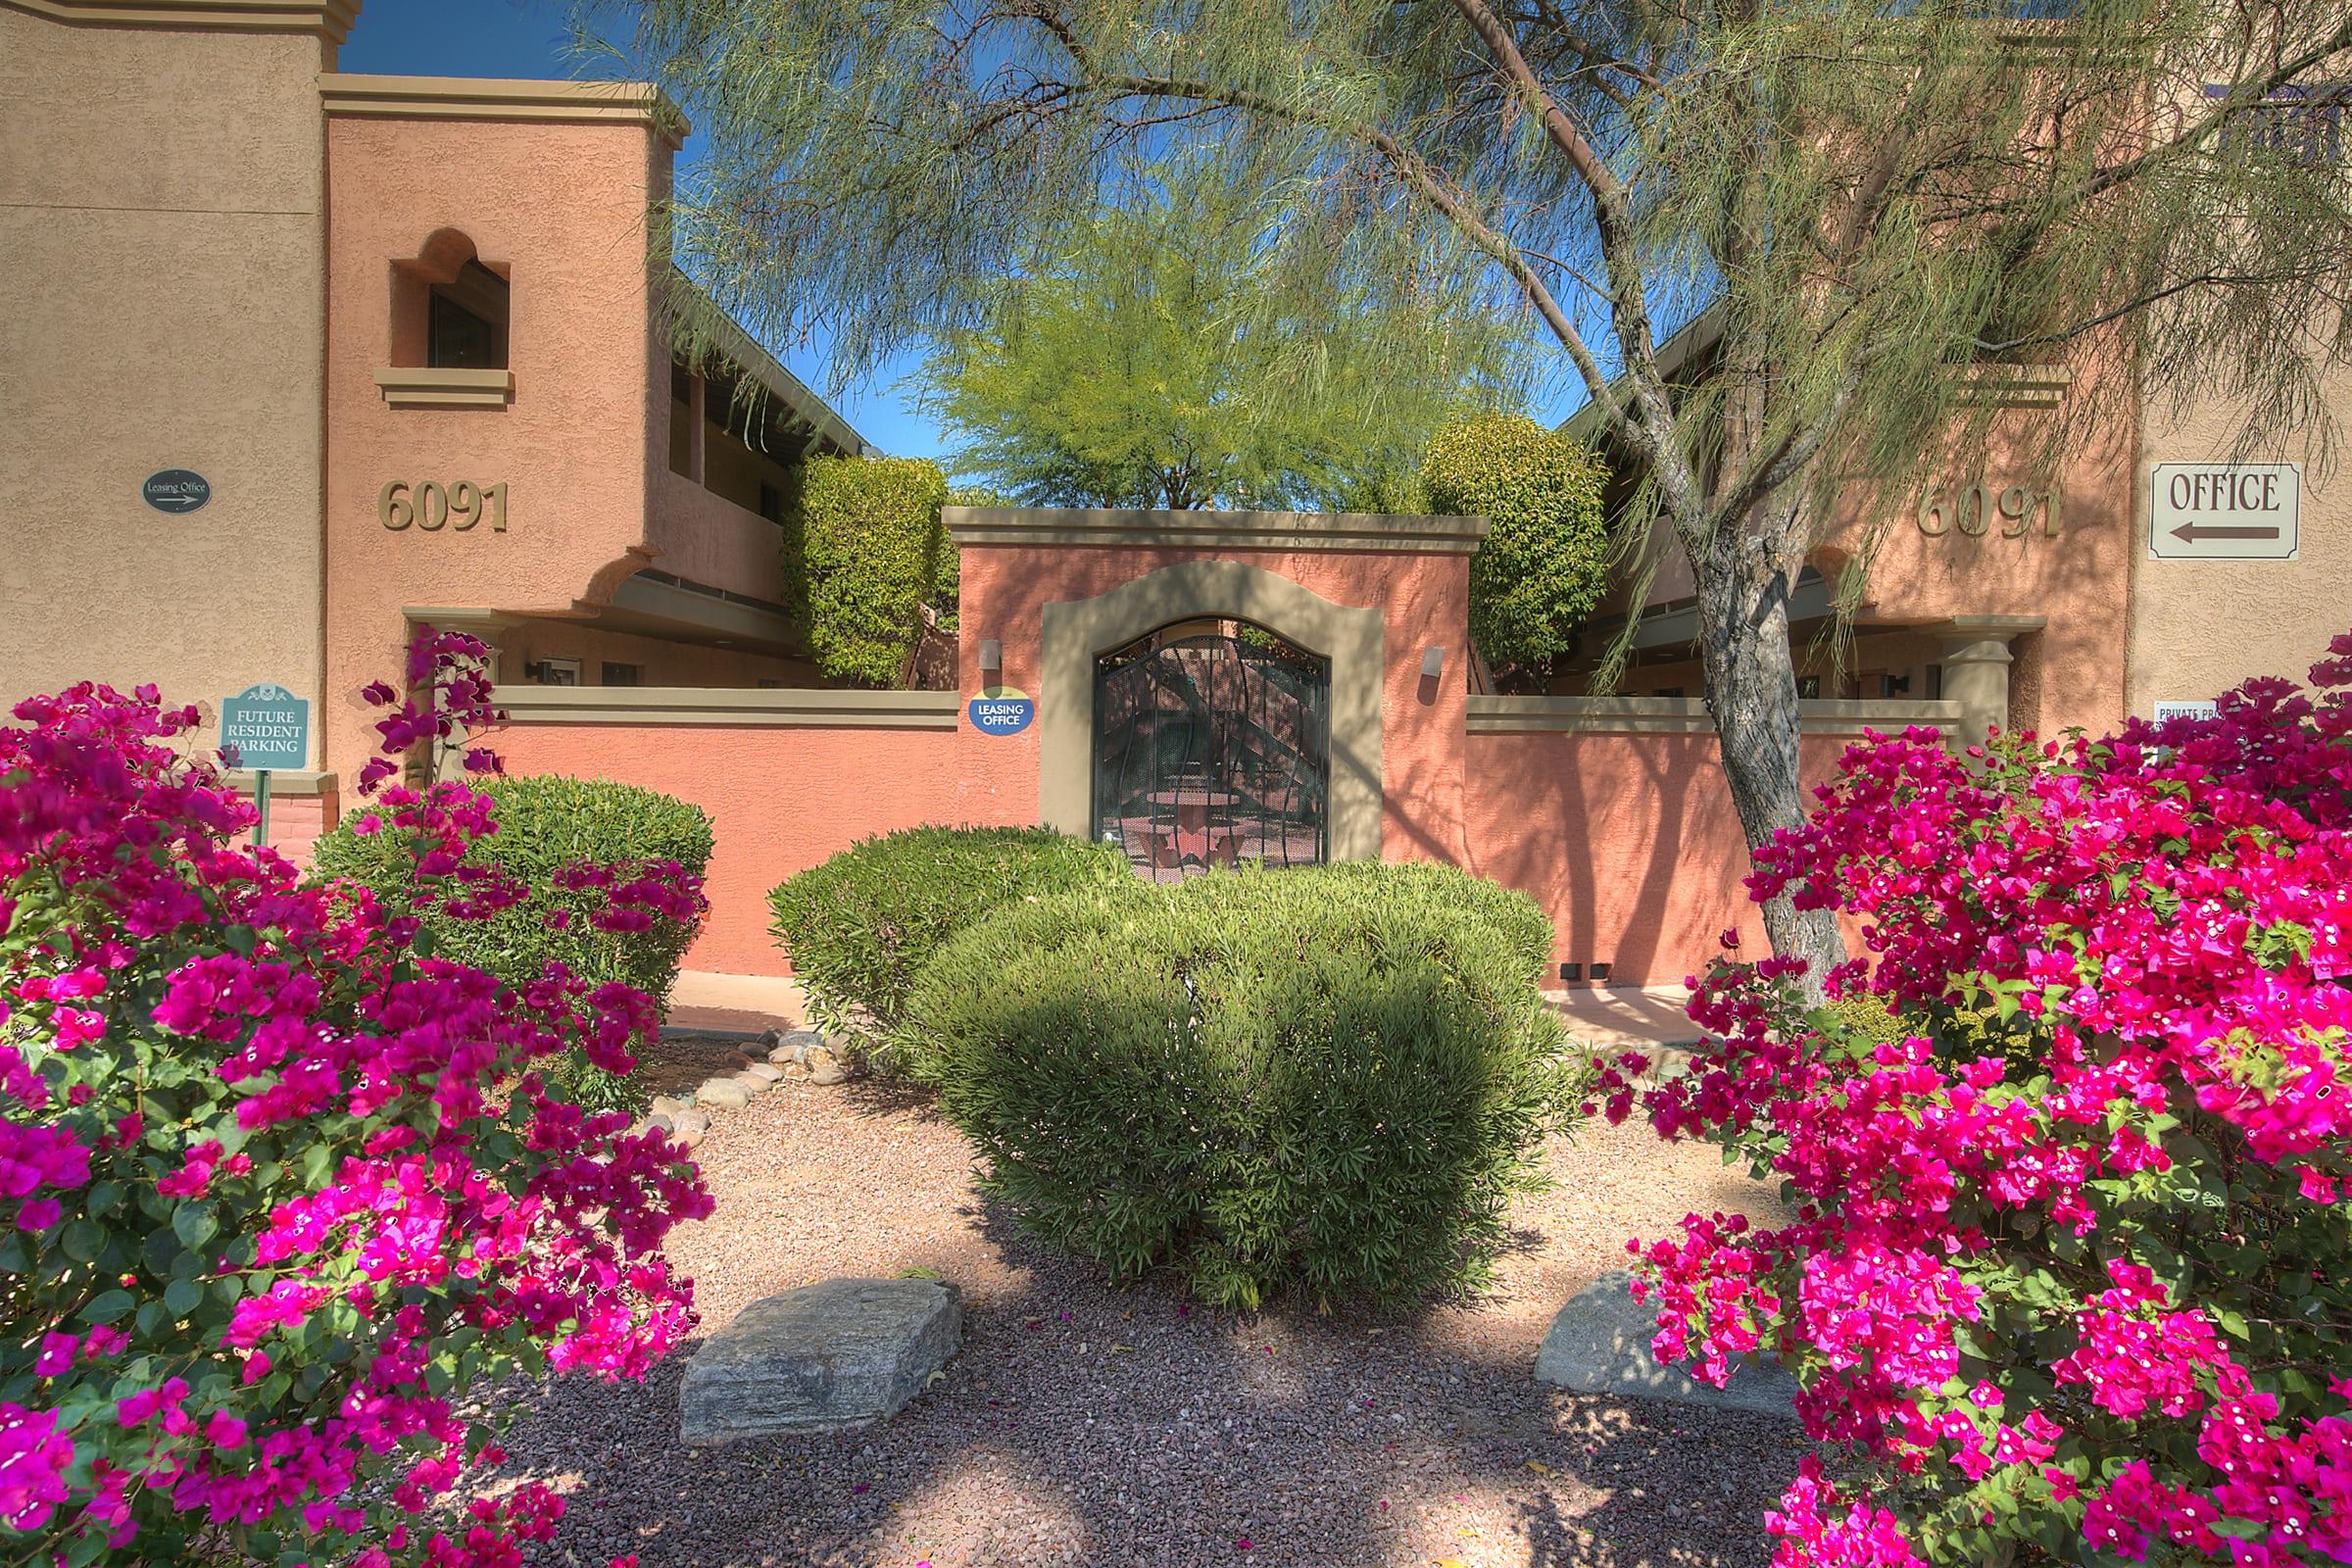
<point>268,729</point>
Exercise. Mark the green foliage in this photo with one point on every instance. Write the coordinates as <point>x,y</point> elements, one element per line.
<point>864,552</point>
<point>1142,368</point>
<point>860,925</point>
<point>549,827</point>
<point>1544,566</point>
<point>1321,1081</point>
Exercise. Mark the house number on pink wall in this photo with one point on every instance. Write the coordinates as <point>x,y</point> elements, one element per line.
<point>1975,507</point>
<point>432,506</point>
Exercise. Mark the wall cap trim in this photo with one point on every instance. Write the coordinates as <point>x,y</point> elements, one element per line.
<point>659,706</point>
<point>1689,716</point>
<point>498,98</point>
<point>289,781</point>
<point>419,386</point>
<point>329,19</point>
<point>1112,529</point>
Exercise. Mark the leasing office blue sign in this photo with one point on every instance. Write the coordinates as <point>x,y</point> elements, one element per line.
<point>1002,711</point>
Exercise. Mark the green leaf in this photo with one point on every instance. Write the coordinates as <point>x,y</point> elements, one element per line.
<point>182,1295</point>
<point>82,1240</point>
<point>109,1306</point>
<point>196,1223</point>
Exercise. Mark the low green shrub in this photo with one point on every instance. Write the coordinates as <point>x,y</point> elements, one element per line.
<point>568,841</point>
<point>1327,1082</point>
<point>1517,921</point>
<point>860,925</point>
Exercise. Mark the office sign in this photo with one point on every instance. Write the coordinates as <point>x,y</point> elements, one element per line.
<point>1002,711</point>
<point>2225,511</point>
<point>269,727</point>
<point>176,490</point>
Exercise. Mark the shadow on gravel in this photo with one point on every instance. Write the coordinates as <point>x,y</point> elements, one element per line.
<point>1126,1429</point>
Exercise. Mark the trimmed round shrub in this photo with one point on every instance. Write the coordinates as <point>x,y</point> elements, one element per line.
<point>575,846</point>
<point>1540,572</point>
<point>860,925</point>
<point>864,552</point>
<point>1326,1083</point>
<point>1515,919</point>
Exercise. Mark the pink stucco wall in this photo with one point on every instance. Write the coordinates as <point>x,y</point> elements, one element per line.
<point>1629,842</point>
<point>782,799</point>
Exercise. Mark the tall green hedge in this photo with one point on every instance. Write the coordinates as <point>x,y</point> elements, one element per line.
<point>860,925</point>
<point>864,552</point>
<point>1327,1083</point>
<point>546,825</point>
<point>1542,570</point>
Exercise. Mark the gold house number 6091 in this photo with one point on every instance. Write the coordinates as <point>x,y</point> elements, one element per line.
<point>433,507</point>
<point>1974,506</point>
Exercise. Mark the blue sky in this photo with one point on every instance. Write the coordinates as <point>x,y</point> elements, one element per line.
<point>529,38</point>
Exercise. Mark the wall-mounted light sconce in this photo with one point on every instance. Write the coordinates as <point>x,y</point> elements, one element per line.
<point>1433,661</point>
<point>1600,974</point>
<point>992,660</point>
<point>1572,971</point>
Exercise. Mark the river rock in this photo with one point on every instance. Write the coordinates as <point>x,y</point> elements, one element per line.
<point>840,1353</point>
<point>1600,1344</point>
<point>724,1093</point>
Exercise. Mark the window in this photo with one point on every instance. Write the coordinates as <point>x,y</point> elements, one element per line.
<point>771,502</point>
<point>2296,124</point>
<point>1808,688</point>
<point>623,674</point>
<point>467,322</point>
<point>554,671</point>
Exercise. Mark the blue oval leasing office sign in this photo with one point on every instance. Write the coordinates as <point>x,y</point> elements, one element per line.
<point>176,490</point>
<point>1002,711</point>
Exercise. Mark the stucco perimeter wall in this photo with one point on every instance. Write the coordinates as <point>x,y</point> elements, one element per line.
<point>1612,814</point>
<point>1414,572</point>
<point>789,778</point>
<point>558,206</point>
<point>2199,627</point>
<point>161,307</point>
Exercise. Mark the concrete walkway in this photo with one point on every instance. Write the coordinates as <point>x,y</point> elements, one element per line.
<point>1628,1018</point>
<point>721,1006</point>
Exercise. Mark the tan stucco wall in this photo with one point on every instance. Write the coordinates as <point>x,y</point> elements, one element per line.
<point>561,208</point>
<point>161,305</point>
<point>2199,627</point>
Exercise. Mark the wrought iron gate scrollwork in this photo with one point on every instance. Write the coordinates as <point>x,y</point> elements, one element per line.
<point>1213,747</point>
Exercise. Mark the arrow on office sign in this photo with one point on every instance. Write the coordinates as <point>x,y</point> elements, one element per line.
<point>2192,532</point>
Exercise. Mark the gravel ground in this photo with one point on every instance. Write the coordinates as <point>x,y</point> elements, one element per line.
<point>1086,1425</point>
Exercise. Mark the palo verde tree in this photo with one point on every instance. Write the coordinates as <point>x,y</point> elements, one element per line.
<point>1131,370</point>
<point>1871,199</point>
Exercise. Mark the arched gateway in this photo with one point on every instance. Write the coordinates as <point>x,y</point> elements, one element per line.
<point>1278,755</point>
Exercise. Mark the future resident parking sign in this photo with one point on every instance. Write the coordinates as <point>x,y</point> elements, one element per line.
<point>1002,711</point>
<point>269,727</point>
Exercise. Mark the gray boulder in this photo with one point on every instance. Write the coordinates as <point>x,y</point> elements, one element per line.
<point>839,1353</point>
<point>1600,1344</point>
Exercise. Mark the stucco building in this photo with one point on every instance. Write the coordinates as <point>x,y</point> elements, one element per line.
<point>400,344</point>
<point>293,361</point>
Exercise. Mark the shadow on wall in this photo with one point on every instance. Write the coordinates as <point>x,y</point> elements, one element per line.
<point>1630,840</point>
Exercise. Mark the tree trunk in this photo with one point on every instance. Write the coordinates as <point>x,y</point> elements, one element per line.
<point>1745,576</point>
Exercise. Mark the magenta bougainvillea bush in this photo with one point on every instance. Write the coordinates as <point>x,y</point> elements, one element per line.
<point>277,1185</point>
<point>2068,1271</point>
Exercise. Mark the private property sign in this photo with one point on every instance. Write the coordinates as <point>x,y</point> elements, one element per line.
<point>2225,511</point>
<point>269,727</point>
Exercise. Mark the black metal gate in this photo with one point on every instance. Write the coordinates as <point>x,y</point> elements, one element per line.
<point>1213,747</point>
